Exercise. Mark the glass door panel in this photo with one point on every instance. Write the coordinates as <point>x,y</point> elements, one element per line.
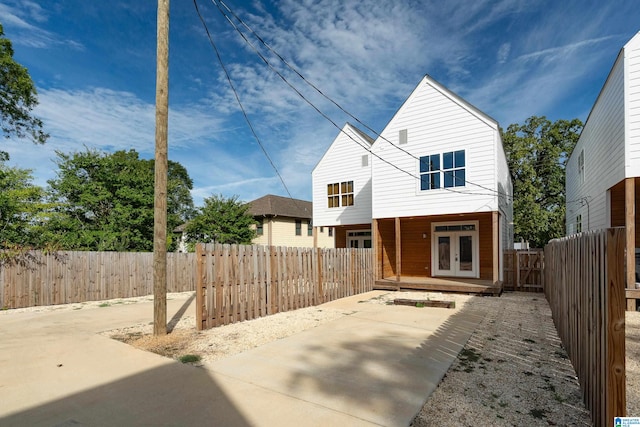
<point>465,251</point>
<point>444,253</point>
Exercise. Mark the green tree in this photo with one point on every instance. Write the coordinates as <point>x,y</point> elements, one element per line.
<point>105,201</point>
<point>537,152</point>
<point>221,220</point>
<point>21,205</point>
<point>18,97</point>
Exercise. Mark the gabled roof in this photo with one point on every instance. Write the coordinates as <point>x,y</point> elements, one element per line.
<point>271,205</point>
<point>368,141</point>
<point>490,121</point>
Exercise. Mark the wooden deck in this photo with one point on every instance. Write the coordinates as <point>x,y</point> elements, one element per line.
<point>433,284</point>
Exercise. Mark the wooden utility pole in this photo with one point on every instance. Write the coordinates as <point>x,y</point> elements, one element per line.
<point>161,171</point>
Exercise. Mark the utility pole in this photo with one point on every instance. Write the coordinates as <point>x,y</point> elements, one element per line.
<point>161,171</point>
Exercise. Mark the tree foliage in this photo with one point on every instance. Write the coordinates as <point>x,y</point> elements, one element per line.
<point>104,202</point>
<point>221,220</point>
<point>21,205</point>
<point>537,152</point>
<point>18,97</point>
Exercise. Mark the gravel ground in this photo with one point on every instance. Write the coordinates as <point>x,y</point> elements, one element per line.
<point>513,370</point>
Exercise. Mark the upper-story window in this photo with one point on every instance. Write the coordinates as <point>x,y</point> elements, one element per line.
<point>450,172</point>
<point>430,172</point>
<point>260,227</point>
<point>453,168</point>
<point>579,223</point>
<point>298,227</point>
<point>581,166</point>
<point>340,194</point>
<point>310,228</point>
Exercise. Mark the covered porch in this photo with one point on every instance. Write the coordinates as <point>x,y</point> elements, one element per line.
<point>623,202</point>
<point>443,253</point>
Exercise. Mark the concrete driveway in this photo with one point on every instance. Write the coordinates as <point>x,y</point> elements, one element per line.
<point>376,366</point>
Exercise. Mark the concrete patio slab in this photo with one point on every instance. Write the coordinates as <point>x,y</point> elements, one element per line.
<point>376,366</point>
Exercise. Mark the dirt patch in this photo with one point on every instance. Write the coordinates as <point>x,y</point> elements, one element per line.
<point>175,345</point>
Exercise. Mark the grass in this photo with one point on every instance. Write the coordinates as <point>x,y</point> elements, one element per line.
<point>537,413</point>
<point>190,358</point>
<point>104,304</point>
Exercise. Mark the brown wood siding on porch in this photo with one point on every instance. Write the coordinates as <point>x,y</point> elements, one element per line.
<point>340,233</point>
<point>416,250</point>
<point>387,243</point>
<point>616,208</point>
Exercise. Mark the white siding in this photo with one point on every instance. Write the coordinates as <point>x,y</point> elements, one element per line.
<point>603,142</point>
<point>343,162</point>
<point>505,197</point>
<point>437,122</point>
<point>632,105</point>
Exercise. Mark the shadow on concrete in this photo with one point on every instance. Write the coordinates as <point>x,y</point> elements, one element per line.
<point>382,374</point>
<point>176,317</point>
<point>170,395</point>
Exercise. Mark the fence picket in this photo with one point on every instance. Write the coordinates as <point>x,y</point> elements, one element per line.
<point>584,282</point>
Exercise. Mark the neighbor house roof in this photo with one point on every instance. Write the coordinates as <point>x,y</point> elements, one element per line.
<point>271,205</point>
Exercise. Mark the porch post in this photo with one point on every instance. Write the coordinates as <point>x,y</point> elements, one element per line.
<point>377,266</point>
<point>495,233</point>
<point>398,251</point>
<point>315,237</point>
<point>630,226</point>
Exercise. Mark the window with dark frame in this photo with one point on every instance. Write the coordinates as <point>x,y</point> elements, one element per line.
<point>298,227</point>
<point>430,172</point>
<point>453,169</point>
<point>579,224</point>
<point>260,227</point>
<point>310,228</point>
<point>330,231</point>
<point>450,173</point>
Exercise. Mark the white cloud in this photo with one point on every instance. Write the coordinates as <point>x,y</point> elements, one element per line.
<point>503,52</point>
<point>15,20</point>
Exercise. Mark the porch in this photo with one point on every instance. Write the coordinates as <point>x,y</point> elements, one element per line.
<point>439,284</point>
<point>624,202</point>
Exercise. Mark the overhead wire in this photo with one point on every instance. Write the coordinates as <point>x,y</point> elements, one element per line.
<point>218,4</point>
<point>235,92</point>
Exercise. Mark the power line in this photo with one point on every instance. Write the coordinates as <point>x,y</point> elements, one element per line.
<point>217,3</point>
<point>235,92</point>
<point>325,116</point>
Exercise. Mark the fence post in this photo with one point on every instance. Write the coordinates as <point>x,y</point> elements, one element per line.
<point>615,294</point>
<point>320,278</point>
<point>199,285</point>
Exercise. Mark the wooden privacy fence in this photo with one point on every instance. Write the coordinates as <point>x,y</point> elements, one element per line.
<point>523,270</point>
<point>78,276</point>
<point>585,286</point>
<point>236,283</point>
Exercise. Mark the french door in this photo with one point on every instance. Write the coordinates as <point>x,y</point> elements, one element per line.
<point>359,239</point>
<point>455,250</point>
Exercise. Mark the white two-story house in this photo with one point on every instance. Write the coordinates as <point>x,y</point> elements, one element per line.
<point>440,194</point>
<point>603,172</point>
<point>342,189</point>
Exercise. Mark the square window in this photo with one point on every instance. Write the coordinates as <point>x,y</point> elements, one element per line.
<point>454,169</point>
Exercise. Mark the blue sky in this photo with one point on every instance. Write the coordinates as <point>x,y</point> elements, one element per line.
<point>94,66</point>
